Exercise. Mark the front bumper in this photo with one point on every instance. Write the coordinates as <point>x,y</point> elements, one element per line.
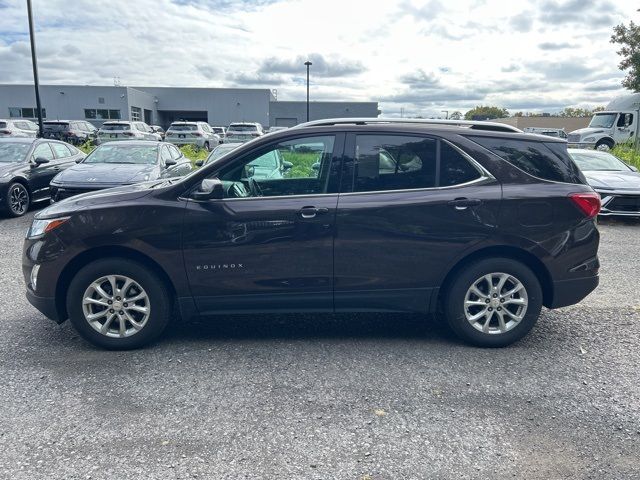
<point>620,204</point>
<point>45,305</point>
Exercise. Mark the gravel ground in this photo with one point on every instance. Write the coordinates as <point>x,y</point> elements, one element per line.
<point>317,397</point>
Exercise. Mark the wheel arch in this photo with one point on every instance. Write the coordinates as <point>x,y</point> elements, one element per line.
<point>101,252</point>
<point>605,139</point>
<point>504,251</point>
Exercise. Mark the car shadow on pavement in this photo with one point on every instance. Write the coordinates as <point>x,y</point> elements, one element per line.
<point>312,326</point>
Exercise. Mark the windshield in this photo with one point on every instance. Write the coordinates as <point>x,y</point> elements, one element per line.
<point>135,154</point>
<point>598,161</point>
<point>116,126</point>
<point>183,128</point>
<point>603,120</point>
<point>219,152</point>
<point>13,152</point>
<point>243,128</point>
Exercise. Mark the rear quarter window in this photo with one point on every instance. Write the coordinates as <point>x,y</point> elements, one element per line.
<point>545,160</point>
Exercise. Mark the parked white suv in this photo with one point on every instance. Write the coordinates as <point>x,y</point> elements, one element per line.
<point>243,132</point>
<point>18,128</point>
<point>123,130</point>
<point>199,134</point>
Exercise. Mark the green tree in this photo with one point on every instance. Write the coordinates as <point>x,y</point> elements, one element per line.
<point>578,112</point>
<point>486,112</point>
<point>629,39</point>
<point>456,115</point>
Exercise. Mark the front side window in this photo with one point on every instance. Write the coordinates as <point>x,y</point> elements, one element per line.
<point>43,151</point>
<point>294,167</point>
<point>625,120</point>
<point>165,154</point>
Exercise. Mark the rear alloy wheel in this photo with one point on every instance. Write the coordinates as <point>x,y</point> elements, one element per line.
<point>118,304</point>
<point>17,199</point>
<point>493,302</point>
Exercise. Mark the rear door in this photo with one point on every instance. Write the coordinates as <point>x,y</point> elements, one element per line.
<point>410,206</point>
<point>262,249</point>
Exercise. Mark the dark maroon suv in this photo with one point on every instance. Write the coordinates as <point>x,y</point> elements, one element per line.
<point>473,220</point>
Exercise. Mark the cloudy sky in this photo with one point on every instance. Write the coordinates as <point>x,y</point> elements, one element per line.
<point>415,55</point>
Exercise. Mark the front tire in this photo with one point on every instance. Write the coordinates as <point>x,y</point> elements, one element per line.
<point>604,145</point>
<point>493,302</point>
<point>118,304</point>
<point>17,200</point>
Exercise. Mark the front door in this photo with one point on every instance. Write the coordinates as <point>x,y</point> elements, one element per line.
<point>268,244</point>
<point>41,175</point>
<point>625,127</point>
<point>411,205</point>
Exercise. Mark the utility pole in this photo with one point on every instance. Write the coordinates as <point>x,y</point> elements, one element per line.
<point>445,112</point>
<point>35,67</point>
<point>308,64</point>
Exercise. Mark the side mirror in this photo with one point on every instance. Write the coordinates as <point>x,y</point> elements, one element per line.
<point>199,163</point>
<point>287,165</point>
<point>170,163</point>
<point>41,161</point>
<point>250,170</point>
<point>210,189</point>
<point>316,166</point>
<point>79,160</point>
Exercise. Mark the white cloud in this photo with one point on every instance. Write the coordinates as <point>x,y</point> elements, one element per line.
<point>420,55</point>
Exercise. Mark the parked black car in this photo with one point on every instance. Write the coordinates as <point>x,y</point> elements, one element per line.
<point>120,163</point>
<point>75,132</point>
<point>617,183</point>
<point>27,165</point>
<point>486,226</point>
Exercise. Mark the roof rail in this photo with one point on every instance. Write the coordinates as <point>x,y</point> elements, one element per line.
<point>471,124</point>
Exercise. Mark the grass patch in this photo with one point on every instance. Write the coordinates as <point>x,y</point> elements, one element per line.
<point>627,153</point>
<point>302,163</point>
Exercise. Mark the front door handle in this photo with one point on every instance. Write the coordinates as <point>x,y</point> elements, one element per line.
<point>311,212</point>
<point>464,203</point>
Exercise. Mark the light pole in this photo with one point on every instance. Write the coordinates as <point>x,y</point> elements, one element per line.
<point>445,112</point>
<point>308,64</point>
<point>35,67</point>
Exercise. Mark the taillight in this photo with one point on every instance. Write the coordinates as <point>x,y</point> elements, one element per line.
<point>587,202</point>
<point>128,134</point>
<point>255,134</point>
<point>197,134</point>
<point>5,132</point>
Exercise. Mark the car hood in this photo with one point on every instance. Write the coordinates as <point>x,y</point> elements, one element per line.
<point>106,174</point>
<point>588,131</point>
<point>106,197</point>
<point>613,180</point>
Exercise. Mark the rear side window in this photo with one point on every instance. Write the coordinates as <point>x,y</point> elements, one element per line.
<point>548,161</point>
<point>396,162</point>
<point>61,150</point>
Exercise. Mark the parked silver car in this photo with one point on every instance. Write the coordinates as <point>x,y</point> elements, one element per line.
<point>243,132</point>
<point>124,130</point>
<point>198,134</point>
<point>18,128</point>
<point>220,151</point>
<point>220,131</point>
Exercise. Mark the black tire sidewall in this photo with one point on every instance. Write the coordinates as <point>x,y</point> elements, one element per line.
<point>454,301</point>
<point>159,298</point>
<point>7,199</point>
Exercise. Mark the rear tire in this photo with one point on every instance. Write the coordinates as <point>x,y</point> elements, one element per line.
<point>496,315</point>
<point>118,304</point>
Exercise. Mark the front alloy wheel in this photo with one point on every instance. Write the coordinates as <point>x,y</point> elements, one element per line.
<point>116,306</point>
<point>17,199</point>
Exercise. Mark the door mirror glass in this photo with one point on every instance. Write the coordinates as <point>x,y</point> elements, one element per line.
<point>199,163</point>
<point>209,189</point>
<point>287,165</point>
<point>170,162</point>
<point>41,160</point>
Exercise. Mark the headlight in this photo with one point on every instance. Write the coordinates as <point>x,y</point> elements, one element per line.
<point>590,139</point>
<point>40,227</point>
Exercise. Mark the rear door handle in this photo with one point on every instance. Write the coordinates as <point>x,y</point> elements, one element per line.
<point>464,203</point>
<point>311,212</point>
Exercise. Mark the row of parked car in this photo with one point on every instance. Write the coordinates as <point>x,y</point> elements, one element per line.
<point>76,132</point>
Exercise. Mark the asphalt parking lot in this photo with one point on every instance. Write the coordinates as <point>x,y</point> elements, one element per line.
<point>344,397</point>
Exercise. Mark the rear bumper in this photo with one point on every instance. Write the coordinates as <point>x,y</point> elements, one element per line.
<point>570,292</point>
<point>45,305</point>
<point>188,141</point>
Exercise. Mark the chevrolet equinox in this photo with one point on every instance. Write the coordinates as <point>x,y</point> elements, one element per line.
<point>474,221</point>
